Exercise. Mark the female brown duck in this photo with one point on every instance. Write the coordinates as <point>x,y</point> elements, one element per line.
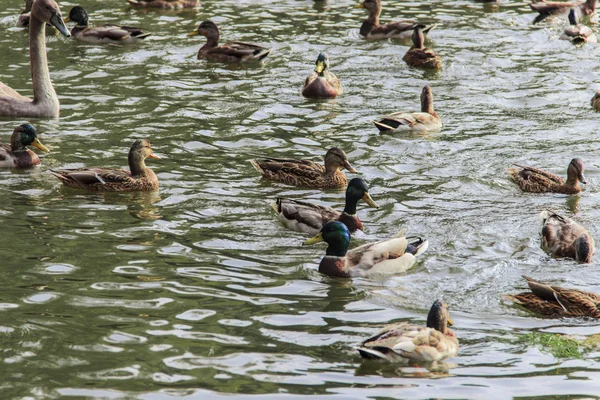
<point>425,120</point>
<point>536,180</point>
<point>371,29</point>
<point>563,237</point>
<point>166,4</point>
<point>305,172</point>
<point>17,155</point>
<point>141,178</point>
<point>419,55</point>
<point>229,52</point>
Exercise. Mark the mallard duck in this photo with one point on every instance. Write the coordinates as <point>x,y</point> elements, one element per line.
<point>426,120</point>
<point>557,302</point>
<point>107,33</point>
<point>23,20</point>
<point>578,33</point>
<point>595,102</point>
<point>371,29</point>
<point>307,173</point>
<point>548,8</point>
<point>309,218</point>
<point>229,52</point>
<point>391,256</point>
<point>322,83</point>
<point>141,178</point>
<point>536,180</point>
<point>404,342</point>
<point>17,155</point>
<point>166,4</point>
<point>419,55</point>
<point>564,237</point>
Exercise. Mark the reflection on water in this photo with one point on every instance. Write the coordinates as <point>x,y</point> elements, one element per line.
<point>198,291</point>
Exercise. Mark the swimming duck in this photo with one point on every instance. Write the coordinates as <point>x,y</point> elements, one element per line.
<point>419,55</point>
<point>596,101</point>
<point>229,52</point>
<point>536,180</point>
<point>309,218</point>
<point>23,20</point>
<point>548,8</point>
<point>563,237</point>
<point>140,178</point>
<point>322,83</point>
<point>166,4</point>
<point>17,155</point>
<point>578,33</point>
<point>107,33</point>
<point>305,172</point>
<point>404,341</point>
<point>557,302</point>
<point>371,29</point>
<point>426,120</point>
<point>391,256</point>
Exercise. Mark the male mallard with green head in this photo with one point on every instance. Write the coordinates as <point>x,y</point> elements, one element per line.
<point>371,29</point>
<point>309,218</point>
<point>404,341</point>
<point>425,120</point>
<point>391,256</point>
<point>419,55</point>
<point>307,173</point>
<point>537,180</point>
<point>139,178</point>
<point>229,52</point>
<point>563,237</point>
<point>17,155</point>
<point>322,83</point>
<point>107,33</point>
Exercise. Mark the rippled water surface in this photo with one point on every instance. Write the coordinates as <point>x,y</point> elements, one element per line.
<point>198,291</point>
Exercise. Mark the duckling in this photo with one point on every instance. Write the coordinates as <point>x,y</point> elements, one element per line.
<point>23,20</point>
<point>548,8</point>
<point>309,218</point>
<point>139,178</point>
<point>391,256</point>
<point>107,33</point>
<point>596,101</point>
<point>17,155</point>
<point>166,4</point>
<point>404,342</point>
<point>557,302</point>
<point>305,172</point>
<point>578,33</point>
<point>419,55</point>
<point>426,120</point>
<point>229,52</point>
<point>371,29</point>
<point>536,180</point>
<point>564,237</point>
<point>322,83</point>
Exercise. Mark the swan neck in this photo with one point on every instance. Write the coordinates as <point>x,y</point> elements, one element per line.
<point>42,86</point>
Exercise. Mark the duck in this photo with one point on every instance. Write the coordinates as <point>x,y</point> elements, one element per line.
<point>371,29</point>
<point>548,8</point>
<point>425,120</point>
<point>563,237</point>
<point>139,178</point>
<point>45,102</point>
<point>419,55</point>
<point>557,302</point>
<point>595,102</point>
<point>107,33</point>
<point>392,256</point>
<point>307,173</point>
<point>229,52</point>
<point>23,20</point>
<point>535,180</point>
<point>577,33</point>
<point>16,154</point>
<point>322,83</point>
<point>165,4</point>
<point>309,217</point>
<point>404,342</point>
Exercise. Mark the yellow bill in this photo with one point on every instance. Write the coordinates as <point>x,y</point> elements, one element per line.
<point>450,322</point>
<point>320,67</point>
<point>313,240</point>
<point>38,145</point>
<point>67,19</point>
<point>194,33</point>
<point>369,200</point>
<point>359,5</point>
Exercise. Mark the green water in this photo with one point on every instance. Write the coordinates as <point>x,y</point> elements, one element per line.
<point>198,292</point>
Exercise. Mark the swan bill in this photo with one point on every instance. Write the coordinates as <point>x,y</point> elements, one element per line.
<point>59,24</point>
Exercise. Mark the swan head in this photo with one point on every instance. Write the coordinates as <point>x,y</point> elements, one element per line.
<point>47,11</point>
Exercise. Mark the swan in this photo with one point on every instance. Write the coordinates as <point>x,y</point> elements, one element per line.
<point>44,103</point>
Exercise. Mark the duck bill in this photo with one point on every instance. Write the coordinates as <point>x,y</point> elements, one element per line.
<point>313,240</point>
<point>38,145</point>
<point>359,5</point>
<point>320,67</point>
<point>59,24</point>
<point>581,178</point>
<point>349,167</point>
<point>369,200</point>
<point>193,33</point>
<point>152,155</point>
<point>67,20</point>
<point>450,322</point>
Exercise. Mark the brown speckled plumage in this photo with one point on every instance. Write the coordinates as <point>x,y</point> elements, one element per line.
<point>166,4</point>
<point>371,29</point>
<point>564,237</point>
<point>557,302</point>
<point>548,8</point>
<point>420,56</point>
<point>536,180</point>
<point>307,173</point>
